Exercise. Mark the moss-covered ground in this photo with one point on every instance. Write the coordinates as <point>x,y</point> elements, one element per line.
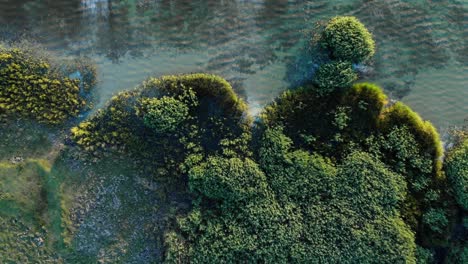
<point>57,208</point>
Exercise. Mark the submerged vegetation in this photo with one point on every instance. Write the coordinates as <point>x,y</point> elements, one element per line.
<point>329,172</point>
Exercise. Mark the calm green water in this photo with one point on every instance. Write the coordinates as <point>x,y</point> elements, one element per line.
<point>422,55</point>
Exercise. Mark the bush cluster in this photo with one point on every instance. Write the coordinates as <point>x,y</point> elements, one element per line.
<point>292,207</point>
<point>29,88</point>
<point>348,42</point>
<point>195,113</point>
<point>360,119</point>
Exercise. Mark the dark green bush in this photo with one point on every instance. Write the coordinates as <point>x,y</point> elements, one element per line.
<point>329,125</point>
<point>458,254</point>
<point>347,39</point>
<point>427,190</point>
<point>456,167</point>
<point>29,88</point>
<point>333,76</point>
<point>212,117</point>
<point>436,220</point>
<point>369,187</point>
<point>424,256</point>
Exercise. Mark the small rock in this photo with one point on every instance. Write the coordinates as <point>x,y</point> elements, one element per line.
<point>16,160</point>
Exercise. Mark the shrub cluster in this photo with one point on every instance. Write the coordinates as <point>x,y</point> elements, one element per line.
<point>395,135</point>
<point>292,207</point>
<point>193,113</point>
<point>337,176</point>
<point>30,88</point>
<point>348,42</point>
<point>27,90</point>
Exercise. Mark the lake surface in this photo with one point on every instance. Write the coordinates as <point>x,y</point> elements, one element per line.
<point>422,53</point>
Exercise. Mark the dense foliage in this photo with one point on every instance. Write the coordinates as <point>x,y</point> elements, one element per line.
<point>346,38</point>
<point>334,75</point>
<point>457,172</point>
<point>293,207</point>
<point>30,87</point>
<point>172,122</point>
<point>164,115</point>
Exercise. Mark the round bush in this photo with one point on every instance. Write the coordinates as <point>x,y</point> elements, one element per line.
<point>334,75</point>
<point>348,39</point>
<point>228,179</point>
<point>164,114</point>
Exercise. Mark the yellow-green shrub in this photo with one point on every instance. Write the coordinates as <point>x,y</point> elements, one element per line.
<point>348,39</point>
<point>29,88</point>
<point>424,132</point>
<point>214,117</point>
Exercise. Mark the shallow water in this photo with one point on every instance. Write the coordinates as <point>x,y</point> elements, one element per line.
<point>422,55</point>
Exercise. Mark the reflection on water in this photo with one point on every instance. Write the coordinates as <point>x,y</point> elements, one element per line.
<point>255,44</point>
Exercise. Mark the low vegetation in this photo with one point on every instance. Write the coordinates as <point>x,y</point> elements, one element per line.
<point>32,88</point>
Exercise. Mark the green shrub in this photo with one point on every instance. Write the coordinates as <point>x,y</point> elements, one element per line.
<point>333,76</point>
<point>295,176</point>
<point>403,153</point>
<point>347,39</point>
<point>29,88</point>
<point>458,254</point>
<point>436,220</point>
<point>192,114</point>
<point>164,115</point>
<point>424,132</point>
<point>424,256</point>
<point>456,167</point>
<point>370,188</point>
<point>114,127</point>
<point>229,180</point>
